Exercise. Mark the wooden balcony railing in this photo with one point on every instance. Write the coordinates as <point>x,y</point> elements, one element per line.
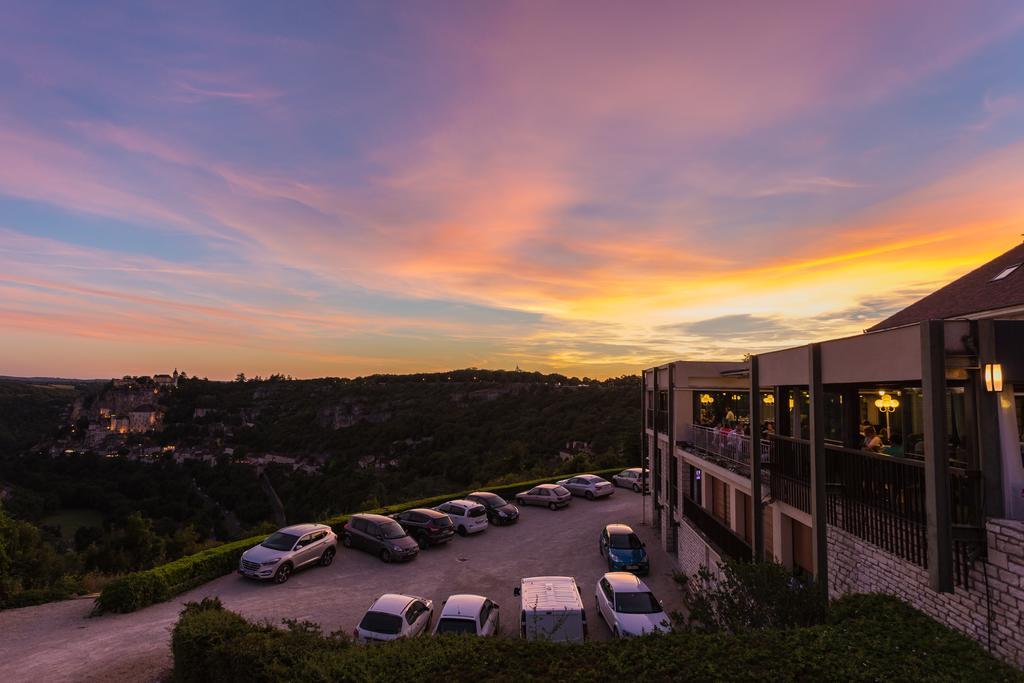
<point>725,541</point>
<point>879,498</point>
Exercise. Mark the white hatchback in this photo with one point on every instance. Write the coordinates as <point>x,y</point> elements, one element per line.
<point>467,517</point>
<point>393,616</point>
<point>629,607</point>
<point>472,615</point>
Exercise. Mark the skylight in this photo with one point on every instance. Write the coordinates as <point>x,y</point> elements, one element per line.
<point>1005,273</point>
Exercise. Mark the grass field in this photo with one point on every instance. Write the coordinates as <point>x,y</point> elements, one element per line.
<point>71,520</point>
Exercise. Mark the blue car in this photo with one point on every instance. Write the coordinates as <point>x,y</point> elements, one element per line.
<point>623,550</point>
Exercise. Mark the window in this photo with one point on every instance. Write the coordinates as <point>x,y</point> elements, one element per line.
<point>636,603</point>
<point>1005,272</point>
<point>359,524</point>
<point>485,612</point>
<point>381,622</point>
<point>415,610</point>
<point>606,588</point>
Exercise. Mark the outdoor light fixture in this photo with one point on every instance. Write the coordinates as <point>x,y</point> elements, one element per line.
<point>993,377</point>
<point>888,405</point>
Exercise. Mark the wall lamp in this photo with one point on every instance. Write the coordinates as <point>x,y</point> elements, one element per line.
<point>993,377</point>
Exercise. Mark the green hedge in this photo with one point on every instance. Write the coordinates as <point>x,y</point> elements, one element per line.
<point>139,589</point>
<point>867,638</point>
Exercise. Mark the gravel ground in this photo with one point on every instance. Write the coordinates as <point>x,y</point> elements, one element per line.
<point>60,642</point>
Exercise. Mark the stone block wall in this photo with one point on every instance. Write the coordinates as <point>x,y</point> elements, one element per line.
<point>991,611</point>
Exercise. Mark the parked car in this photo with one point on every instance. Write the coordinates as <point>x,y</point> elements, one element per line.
<point>633,478</point>
<point>590,486</point>
<point>472,615</point>
<point>629,607</point>
<point>623,550</point>
<point>499,510</point>
<point>552,495</point>
<point>393,616</point>
<point>288,549</point>
<point>467,516</point>
<point>427,527</point>
<point>551,609</point>
<point>379,535</point>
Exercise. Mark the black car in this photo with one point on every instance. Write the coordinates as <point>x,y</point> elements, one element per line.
<point>379,535</point>
<point>428,527</point>
<point>499,510</point>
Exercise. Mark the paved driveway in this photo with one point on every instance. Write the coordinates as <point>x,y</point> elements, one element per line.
<point>57,642</point>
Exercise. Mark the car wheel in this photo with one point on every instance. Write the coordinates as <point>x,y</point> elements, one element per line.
<point>461,530</point>
<point>552,506</point>
<point>588,495</point>
<point>423,542</point>
<point>346,540</point>
<point>520,501</point>
<point>636,488</point>
<point>327,558</point>
<point>283,573</point>
<point>385,555</point>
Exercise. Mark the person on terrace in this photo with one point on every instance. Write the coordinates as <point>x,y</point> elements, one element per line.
<point>872,442</point>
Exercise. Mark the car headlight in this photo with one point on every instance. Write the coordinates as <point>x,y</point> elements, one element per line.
<point>502,513</point>
<point>269,562</point>
<point>396,548</point>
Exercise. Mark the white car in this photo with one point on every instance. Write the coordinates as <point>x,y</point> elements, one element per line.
<point>393,616</point>
<point>629,607</point>
<point>631,479</point>
<point>590,486</point>
<point>286,550</point>
<point>472,615</point>
<point>467,516</point>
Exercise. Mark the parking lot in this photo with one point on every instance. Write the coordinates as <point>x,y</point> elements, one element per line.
<point>58,642</point>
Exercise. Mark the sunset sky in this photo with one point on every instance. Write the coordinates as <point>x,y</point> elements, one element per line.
<point>340,188</point>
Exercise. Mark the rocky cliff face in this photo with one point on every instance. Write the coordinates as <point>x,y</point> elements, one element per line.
<point>351,413</point>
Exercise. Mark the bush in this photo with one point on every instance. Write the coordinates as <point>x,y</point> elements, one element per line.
<point>139,589</point>
<point>865,638</point>
<point>741,596</point>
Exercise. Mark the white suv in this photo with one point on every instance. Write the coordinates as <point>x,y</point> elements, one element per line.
<point>467,516</point>
<point>286,550</point>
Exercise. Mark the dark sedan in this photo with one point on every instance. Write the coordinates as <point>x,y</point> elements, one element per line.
<point>499,510</point>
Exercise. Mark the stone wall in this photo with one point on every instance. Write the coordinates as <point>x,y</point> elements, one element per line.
<point>693,551</point>
<point>855,566</point>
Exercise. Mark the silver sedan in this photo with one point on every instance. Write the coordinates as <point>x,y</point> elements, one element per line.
<point>551,495</point>
<point>589,486</point>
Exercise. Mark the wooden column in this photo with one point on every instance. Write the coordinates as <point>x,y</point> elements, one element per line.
<point>989,455</point>
<point>936,458</point>
<point>816,419</point>
<point>755,459</point>
<point>851,418</point>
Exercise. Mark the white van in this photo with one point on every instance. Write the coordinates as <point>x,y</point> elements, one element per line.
<point>552,609</point>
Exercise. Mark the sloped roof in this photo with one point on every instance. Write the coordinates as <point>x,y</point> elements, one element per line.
<point>973,293</point>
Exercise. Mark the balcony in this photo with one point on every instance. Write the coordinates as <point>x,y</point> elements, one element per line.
<point>877,498</point>
<point>725,444</point>
<point>718,535</point>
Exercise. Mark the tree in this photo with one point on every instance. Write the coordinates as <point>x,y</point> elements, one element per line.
<point>240,377</point>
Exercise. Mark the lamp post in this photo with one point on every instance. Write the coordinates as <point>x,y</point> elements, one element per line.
<point>888,405</point>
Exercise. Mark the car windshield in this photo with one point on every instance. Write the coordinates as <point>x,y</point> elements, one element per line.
<point>379,622</point>
<point>279,541</point>
<point>491,500</point>
<point>477,511</point>
<point>392,530</point>
<point>625,542</point>
<point>560,490</point>
<point>636,603</point>
<point>449,625</point>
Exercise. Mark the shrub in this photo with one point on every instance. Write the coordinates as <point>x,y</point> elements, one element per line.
<point>139,589</point>
<point>865,638</point>
<point>742,596</point>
